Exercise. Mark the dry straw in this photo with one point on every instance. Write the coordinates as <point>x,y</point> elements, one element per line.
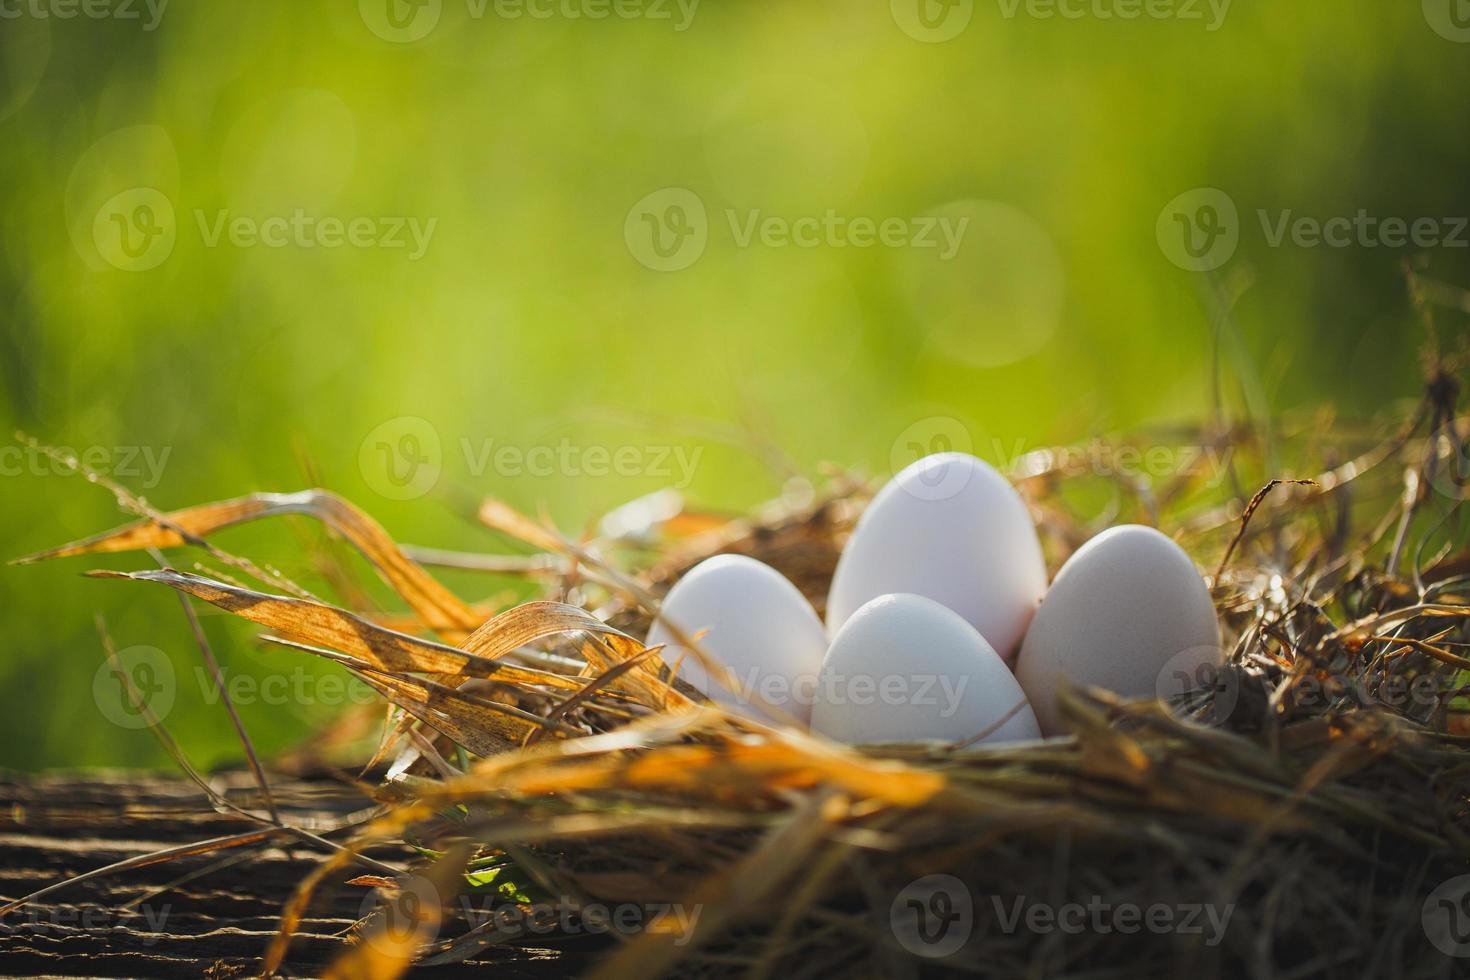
<point>1303,790</point>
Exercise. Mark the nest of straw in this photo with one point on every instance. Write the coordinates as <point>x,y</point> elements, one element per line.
<point>1314,793</point>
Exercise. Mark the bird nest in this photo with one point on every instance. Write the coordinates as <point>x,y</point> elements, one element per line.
<point>1302,812</point>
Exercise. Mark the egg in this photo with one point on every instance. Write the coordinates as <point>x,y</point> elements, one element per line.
<point>950,528</point>
<point>1126,608</point>
<point>756,623</point>
<point>905,668</point>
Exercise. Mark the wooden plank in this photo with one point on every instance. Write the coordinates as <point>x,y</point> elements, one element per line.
<point>201,916</point>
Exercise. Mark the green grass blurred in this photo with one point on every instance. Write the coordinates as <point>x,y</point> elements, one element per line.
<point>530,321</point>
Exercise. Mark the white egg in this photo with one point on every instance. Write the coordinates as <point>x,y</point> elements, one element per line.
<point>756,623</point>
<point>1127,608</point>
<point>952,529</point>
<point>904,668</point>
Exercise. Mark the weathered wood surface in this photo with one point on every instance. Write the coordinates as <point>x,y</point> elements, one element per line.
<point>210,915</point>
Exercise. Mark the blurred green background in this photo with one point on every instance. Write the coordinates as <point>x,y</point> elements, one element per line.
<point>179,297</point>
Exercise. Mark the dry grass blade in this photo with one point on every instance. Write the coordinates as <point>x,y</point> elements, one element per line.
<point>295,909</point>
<point>217,678</point>
<point>142,861</point>
<point>726,896</point>
<point>323,625</point>
<point>437,607</point>
<point>602,680</point>
<point>484,727</point>
<point>1248,513</point>
<point>533,621</point>
<point>408,920</point>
